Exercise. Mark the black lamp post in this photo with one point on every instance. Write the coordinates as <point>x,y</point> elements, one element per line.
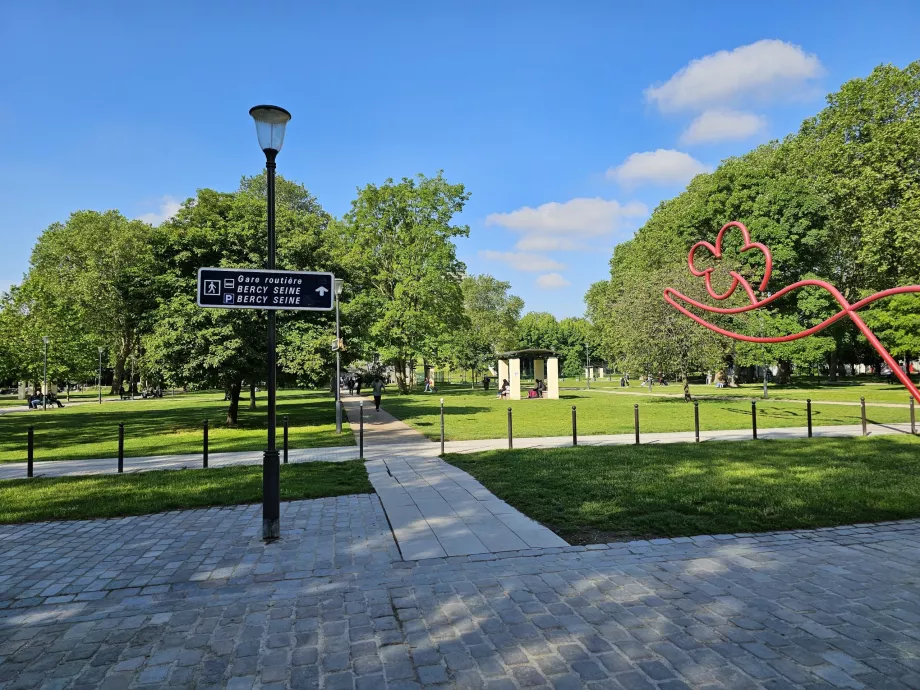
<point>339,285</point>
<point>100,374</point>
<point>45,391</point>
<point>270,123</point>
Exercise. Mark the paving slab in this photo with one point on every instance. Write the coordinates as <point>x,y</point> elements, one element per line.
<point>435,508</point>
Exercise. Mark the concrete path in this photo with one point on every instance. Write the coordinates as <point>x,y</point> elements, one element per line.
<point>842,431</point>
<point>74,468</point>
<point>195,599</point>
<point>435,509</point>
<point>657,392</point>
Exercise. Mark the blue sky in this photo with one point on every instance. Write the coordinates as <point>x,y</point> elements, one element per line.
<point>567,122</point>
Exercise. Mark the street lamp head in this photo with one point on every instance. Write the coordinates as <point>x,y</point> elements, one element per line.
<point>339,286</point>
<point>46,338</point>
<point>270,123</point>
<point>101,350</point>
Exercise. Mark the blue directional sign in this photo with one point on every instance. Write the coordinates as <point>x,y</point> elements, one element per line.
<point>251,288</point>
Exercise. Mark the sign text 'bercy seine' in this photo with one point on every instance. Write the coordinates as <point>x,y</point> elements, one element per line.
<point>252,288</point>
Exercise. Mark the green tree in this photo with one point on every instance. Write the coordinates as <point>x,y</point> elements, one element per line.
<point>225,347</point>
<point>89,285</point>
<point>397,244</point>
<point>493,316</point>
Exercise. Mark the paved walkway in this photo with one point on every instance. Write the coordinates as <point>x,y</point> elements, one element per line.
<point>195,599</point>
<point>658,393</point>
<point>435,509</point>
<point>73,468</point>
<point>842,431</point>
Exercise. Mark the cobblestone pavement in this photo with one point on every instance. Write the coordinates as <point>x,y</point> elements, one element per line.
<point>195,599</point>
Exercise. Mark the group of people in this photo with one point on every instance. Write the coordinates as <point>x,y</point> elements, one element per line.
<point>353,384</point>
<point>537,391</point>
<point>37,401</point>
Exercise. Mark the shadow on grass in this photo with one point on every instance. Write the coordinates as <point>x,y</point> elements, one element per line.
<point>141,493</point>
<point>621,492</point>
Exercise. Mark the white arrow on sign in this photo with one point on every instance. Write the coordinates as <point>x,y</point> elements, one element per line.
<point>322,290</point>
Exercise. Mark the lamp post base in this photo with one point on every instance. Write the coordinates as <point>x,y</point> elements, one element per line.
<point>271,529</point>
<point>271,495</point>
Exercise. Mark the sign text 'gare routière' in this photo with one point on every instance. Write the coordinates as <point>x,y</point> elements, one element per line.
<point>251,288</point>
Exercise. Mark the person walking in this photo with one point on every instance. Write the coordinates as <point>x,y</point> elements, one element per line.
<point>351,385</point>
<point>358,384</point>
<point>377,387</point>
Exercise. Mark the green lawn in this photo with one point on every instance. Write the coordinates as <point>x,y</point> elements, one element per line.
<point>847,390</point>
<point>609,493</point>
<point>480,415</point>
<point>167,425</point>
<point>77,498</point>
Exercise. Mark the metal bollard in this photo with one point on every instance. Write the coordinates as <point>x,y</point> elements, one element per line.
<point>574,428</point>
<point>862,406</point>
<point>636,421</point>
<point>285,439</point>
<point>361,430</point>
<point>913,419</point>
<point>808,408</point>
<point>121,448</point>
<point>510,442</point>
<point>754,418</point>
<point>204,458</point>
<point>696,418</point>
<point>442,426</point>
<point>29,462</point>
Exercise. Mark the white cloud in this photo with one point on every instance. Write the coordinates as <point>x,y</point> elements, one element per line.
<point>552,281</point>
<point>169,206</point>
<point>522,261</point>
<point>663,167</point>
<point>566,226</point>
<point>723,125</point>
<point>764,69</point>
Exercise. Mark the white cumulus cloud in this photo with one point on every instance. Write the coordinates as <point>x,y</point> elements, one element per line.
<point>723,125</point>
<point>168,207</point>
<point>567,225</point>
<point>765,69</point>
<point>552,281</point>
<point>523,261</point>
<point>663,167</point>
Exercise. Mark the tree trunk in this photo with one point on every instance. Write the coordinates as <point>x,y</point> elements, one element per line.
<point>234,409</point>
<point>784,372</point>
<point>401,381</point>
<point>833,365</point>
<point>252,395</point>
<point>118,374</point>
<point>686,382</point>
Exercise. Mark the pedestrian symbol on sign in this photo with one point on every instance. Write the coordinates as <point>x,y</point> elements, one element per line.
<point>212,287</point>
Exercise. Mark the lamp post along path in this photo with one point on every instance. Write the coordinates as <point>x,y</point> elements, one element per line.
<point>270,123</point>
<point>100,375</point>
<point>45,338</point>
<point>339,286</point>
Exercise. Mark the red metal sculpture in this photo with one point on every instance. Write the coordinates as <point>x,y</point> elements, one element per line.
<point>846,309</point>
